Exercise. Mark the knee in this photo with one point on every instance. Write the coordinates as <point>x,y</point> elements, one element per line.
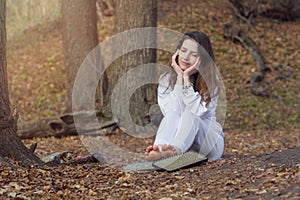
<point>217,152</point>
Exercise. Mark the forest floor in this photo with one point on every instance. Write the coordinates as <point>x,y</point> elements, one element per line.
<point>262,135</point>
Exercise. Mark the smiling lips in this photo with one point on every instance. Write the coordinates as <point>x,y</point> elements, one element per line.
<point>187,64</point>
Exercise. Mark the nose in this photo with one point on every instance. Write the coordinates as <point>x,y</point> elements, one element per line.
<point>186,56</point>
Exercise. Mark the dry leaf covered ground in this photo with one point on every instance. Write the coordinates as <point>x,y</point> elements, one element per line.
<point>261,158</point>
<point>248,171</point>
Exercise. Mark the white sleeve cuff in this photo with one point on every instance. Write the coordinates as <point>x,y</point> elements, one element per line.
<point>178,90</point>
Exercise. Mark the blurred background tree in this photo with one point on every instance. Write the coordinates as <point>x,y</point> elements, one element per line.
<point>11,146</point>
<point>22,14</point>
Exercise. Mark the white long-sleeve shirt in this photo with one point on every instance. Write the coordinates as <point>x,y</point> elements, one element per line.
<point>192,123</point>
<point>178,101</point>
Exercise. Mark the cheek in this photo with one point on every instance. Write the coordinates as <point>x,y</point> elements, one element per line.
<point>193,60</point>
<point>182,66</point>
<point>181,55</point>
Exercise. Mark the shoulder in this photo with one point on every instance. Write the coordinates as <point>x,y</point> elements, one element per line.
<point>164,79</point>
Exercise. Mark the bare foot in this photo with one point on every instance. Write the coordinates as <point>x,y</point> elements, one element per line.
<point>148,150</point>
<point>168,150</point>
<point>151,148</point>
<point>155,153</point>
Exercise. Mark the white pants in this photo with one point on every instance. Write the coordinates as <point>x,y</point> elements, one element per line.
<point>189,132</point>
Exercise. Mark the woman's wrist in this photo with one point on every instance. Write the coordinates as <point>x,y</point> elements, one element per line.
<point>186,80</point>
<point>186,84</point>
<point>179,79</point>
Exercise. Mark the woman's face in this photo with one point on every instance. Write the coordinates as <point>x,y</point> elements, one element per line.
<point>188,54</point>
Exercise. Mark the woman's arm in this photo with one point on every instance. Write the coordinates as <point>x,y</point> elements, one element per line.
<point>194,102</point>
<point>168,98</point>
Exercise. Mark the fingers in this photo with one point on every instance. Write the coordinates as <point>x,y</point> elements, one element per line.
<point>174,64</point>
<point>190,71</point>
<point>175,55</point>
<point>174,59</point>
<point>193,69</point>
<point>197,63</point>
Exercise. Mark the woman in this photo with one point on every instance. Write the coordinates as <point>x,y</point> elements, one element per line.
<point>187,96</point>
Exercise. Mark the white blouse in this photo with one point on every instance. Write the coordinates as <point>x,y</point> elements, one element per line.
<point>209,134</point>
<point>179,101</point>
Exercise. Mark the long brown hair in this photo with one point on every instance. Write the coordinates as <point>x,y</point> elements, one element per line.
<point>205,81</point>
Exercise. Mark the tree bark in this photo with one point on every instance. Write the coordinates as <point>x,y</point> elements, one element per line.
<point>236,34</point>
<point>63,126</point>
<point>10,145</point>
<point>130,14</point>
<point>80,37</point>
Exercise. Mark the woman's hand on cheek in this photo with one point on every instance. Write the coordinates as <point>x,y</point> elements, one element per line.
<point>174,64</point>
<point>192,69</point>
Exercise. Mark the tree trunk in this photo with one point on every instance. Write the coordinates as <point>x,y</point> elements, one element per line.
<point>79,38</point>
<point>64,125</point>
<point>130,14</point>
<point>10,145</point>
